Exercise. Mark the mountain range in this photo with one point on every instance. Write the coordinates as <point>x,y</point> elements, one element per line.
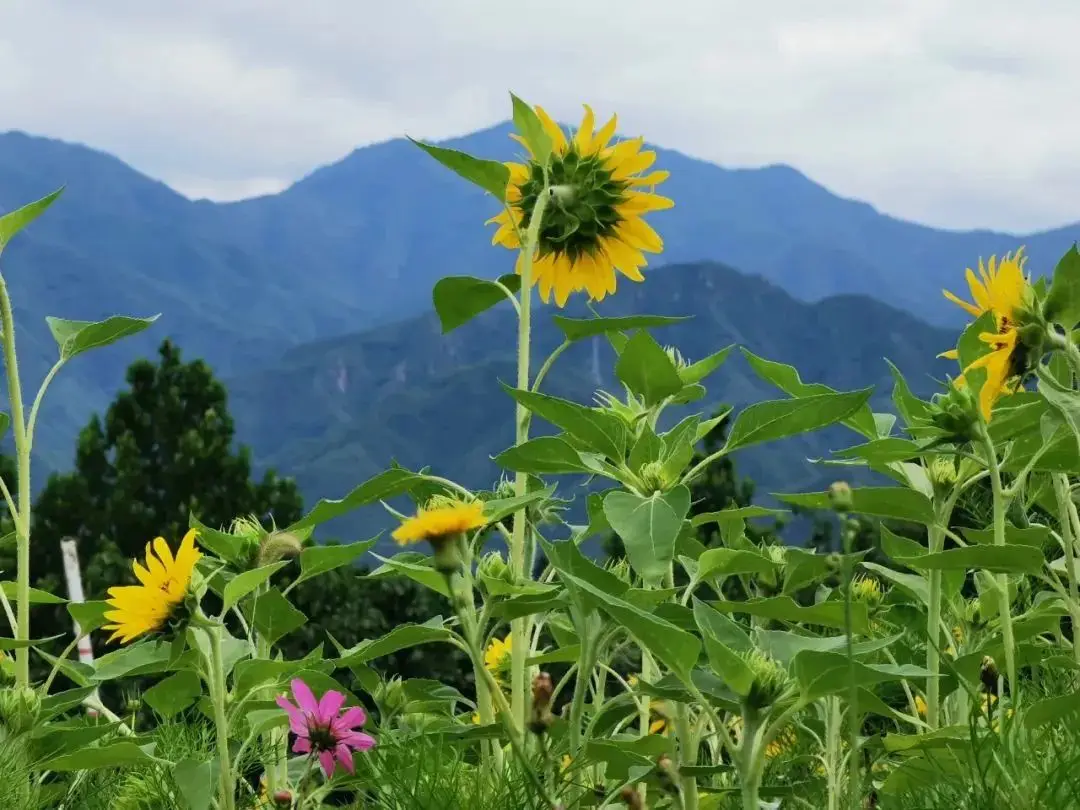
<point>336,272</point>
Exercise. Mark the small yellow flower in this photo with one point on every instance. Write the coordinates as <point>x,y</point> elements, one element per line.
<point>783,742</point>
<point>148,606</point>
<point>594,224</point>
<point>920,705</point>
<point>564,764</point>
<point>497,657</point>
<point>440,521</point>
<point>1000,289</point>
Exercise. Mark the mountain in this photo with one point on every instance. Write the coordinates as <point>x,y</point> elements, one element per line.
<point>358,245</point>
<point>335,412</point>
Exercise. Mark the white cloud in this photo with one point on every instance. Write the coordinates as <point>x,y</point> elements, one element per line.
<point>958,113</point>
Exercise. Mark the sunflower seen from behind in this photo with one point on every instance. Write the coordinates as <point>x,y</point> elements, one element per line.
<point>155,602</point>
<point>594,226</point>
<point>1000,288</point>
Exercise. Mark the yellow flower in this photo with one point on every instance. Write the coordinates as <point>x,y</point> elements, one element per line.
<point>920,705</point>
<point>497,656</point>
<point>147,607</point>
<point>1000,288</point>
<point>593,224</point>
<point>440,521</point>
<point>783,742</point>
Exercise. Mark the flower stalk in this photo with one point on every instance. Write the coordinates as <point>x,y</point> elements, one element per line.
<point>218,692</point>
<point>1005,611</point>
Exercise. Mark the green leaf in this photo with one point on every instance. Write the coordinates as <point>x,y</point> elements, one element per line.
<point>174,694</point>
<point>827,673</point>
<point>244,583</point>
<point>14,221</point>
<point>459,299</point>
<point>648,528</point>
<point>601,430</point>
<point>76,337</point>
<point>144,658</point>
<point>898,503</point>
<point>546,455</point>
<point>531,130</point>
<point>37,597</point>
<point>736,513</point>
<point>563,655</point>
<point>61,702</point>
<point>417,568</point>
<point>79,673</point>
<point>21,644</point>
<point>1053,710</point>
<point>380,487</point>
<point>783,608</point>
<point>787,379</point>
<point>729,561</point>
<point>802,567</point>
<point>400,638</point>
<point>274,616</point>
<point>490,175</point>
<point>225,546</point>
<point>89,615</point>
<point>195,781</point>
<point>768,421</point>
<point>115,755</point>
<point>499,508</point>
<point>1063,399</point>
<point>784,646</point>
<point>910,407</point>
<point>567,559</point>
<point>1063,301</point>
<point>645,368</point>
<point>912,584</point>
<point>575,329</point>
<point>672,646</point>
<point>317,560</point>
<point>998,559</point>
<point>696,372</point>
<point>883,451</point>
<point>724,640</point>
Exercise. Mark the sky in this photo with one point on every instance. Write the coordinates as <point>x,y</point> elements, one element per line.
<point>953,113</point>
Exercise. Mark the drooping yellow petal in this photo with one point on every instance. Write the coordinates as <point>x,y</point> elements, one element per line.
<point>638,233</point>
<point>583,138</point>
<point>604,135</point>
<point>641,202</point>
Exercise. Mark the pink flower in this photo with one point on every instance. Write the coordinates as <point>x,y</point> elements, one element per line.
<point>323,730</point>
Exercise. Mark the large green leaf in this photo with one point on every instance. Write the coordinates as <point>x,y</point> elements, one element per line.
<point>909,406</point>
<point>75,337</point>
<point>115,755</point>
<point>1063,399</point>
<point>139,659</point>
<point>729,561</point>
<point>37,596</point>
<point>600,430</point>
<point>317,560</point>
<point>672,646</point>
<point>244,583</point>
<point>14,221</point>
<point>724,640</point>
<point>384,485</point>
<point>490,175</point>
<point>274,616</point>
<point>194,779</point>
<point>572,565</point>
<point>1053,710</point>
<point>1063,301</point>
<point>400,638</point>
<point>546,455</point>
<point>575,329</point>
<point>768,421</point>
<point>648,528</point>
<point>89,615</point>
<point>499,508</point>
<point>532,131</point>
<point>787,379</point>
<point>459,299</point>
<point>736,512</point>
<point>1000,559</point>
<point>827,673</point>
<point>174,694</point>
<point>645,368</point>
<point>418,568</point>
<point>784,646</point>
<point>899,503</point>
<point>696,372</point>
<point>911,584</point>
<point>882,451</point>
<point>783,608</point>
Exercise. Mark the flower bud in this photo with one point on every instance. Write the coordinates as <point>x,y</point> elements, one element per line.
<point>770,680</point>
<point>19,708</point>
<point>840,497</point>
<point>655,478</point>
<point>676,358</point>
<point>390,695</point>
<point>621,569</point>
<point>956,412</point>
<point>7,670</point>
<point>868,590</point>
<point>666,774</point>
<point>943,473</point>
<point>988,674</point>
<point>493,566</point>
<point>277,546</point>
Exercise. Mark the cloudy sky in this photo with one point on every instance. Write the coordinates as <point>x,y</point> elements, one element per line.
<point>956,113</point>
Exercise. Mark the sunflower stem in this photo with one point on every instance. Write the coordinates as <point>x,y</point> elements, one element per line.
<point>1002,579</point>
<point>21,515</point>
<point>519,628</point>
<point>221,722</point>
<point>1067,510</point>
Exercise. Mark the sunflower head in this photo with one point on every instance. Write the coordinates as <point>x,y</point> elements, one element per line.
<point>156,601</point>
<point>770,680</point>
<point>868,590</point>
<point>497,658</point>
<point>592,223</point>
<point>440,518</point>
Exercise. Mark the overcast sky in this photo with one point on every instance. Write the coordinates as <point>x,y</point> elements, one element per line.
<point>956,113</point>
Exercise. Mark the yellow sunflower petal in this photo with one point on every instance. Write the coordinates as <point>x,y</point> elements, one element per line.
<point>972,309</point>
<point>604,135</point>
<point>639,234</point>
<point>558,139</point>
<point>584,136</point>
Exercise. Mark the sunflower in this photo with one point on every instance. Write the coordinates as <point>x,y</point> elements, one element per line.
<point>443,520</point>
<point>148,606</point>
<point>497,656</point>
<point>1000,288</point>
<point>593,224</point>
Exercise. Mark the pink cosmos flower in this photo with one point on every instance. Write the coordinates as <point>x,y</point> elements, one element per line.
<point>323,730</point>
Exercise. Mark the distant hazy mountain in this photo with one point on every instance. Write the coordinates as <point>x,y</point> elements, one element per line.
<point>358,244</point>
<point>335,412</point>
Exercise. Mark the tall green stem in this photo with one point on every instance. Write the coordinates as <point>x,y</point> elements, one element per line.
<point>519,628</point>
<point>226,786</point>
<point>854,786</point>
<point>687,756</point>
<point>998,494</point>
<point>22,516</point>
<point>933,618</point>
<point>834,720</point>
<point>752,760</point>
<point>586,663</point>
<point>1068,538</point>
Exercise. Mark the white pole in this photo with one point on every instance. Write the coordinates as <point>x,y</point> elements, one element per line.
<point>72,573</point>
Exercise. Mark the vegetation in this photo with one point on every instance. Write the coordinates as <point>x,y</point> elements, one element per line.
<point>919,652</point>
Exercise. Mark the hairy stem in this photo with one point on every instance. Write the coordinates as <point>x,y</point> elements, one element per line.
<point>1002,579</point>
<point>221,724</point>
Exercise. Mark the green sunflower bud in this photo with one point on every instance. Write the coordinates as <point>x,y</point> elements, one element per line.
<point>493,566</point>
<point>956,413</point>
<point>840,497</point>
<point>390,695</point>
<point>631,411</point>
<point>867,590</point>
<point>621,569</point>
<point>19,708</point>
<point>777,554</point>
<point>655,478</point>
<point>770,682</point>
<point>676,358</point>
<point>943,474</point>
<point>277,546</point>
